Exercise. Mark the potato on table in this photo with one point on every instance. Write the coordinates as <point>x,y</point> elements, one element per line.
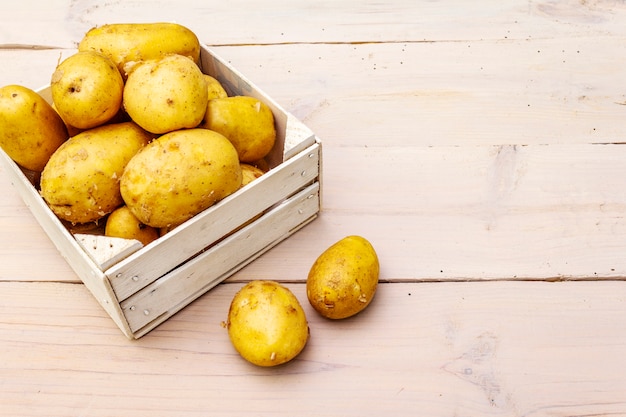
<point>343,279</point>
<point>266,323</point>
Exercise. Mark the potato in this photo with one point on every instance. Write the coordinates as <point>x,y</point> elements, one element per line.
<point>166,94</point>
<point>214,88</point>
<point>178,175</point>
<point>344,278</point>
<point>266,324</point>
<point>260,164</point>
<point>30,129</point>
<point>80,182</point>
<point>87,90</point>
<point>246,121</point>
<point>124,43</point>
<point>123,223</point>
<point>249,173</point>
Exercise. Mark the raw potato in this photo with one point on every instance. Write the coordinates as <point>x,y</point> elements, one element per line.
<point>80,182</point>
<point>344,278</point>
<point>123,223</point>
<point>266,323</point>
<point>260,164</point>
<point>166,94</point>
<point>250,173</point>
<point>87,90</point>
<point>125,43</point>
<point>30,129</point>
<point>246,121</point>
<point>178,175</point>
<point>214,88</point>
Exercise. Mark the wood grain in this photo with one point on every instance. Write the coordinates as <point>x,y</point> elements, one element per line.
<point>478,146</point>
<point>282,21</point>
<point>467,172</point>
<point>500,348</point>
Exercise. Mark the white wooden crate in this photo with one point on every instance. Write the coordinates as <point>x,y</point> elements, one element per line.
<point>141,287</point>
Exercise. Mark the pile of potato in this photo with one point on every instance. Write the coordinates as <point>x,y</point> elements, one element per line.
<point>139,136</point>
<point>135,126</point>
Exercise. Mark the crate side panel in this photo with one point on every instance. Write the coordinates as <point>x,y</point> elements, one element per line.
<point>89,273</point>
<point>175,309</point>
<point>148,264</point>
<point>292,135</point>
<point>297,134</point>
<point>215,264</point>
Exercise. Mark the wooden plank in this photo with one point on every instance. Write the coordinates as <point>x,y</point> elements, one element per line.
<point>65,23</point>
<point>540,91</point>
<point>457,213</point>
<point>445,213</point>
<point>29,67</point>
<point>496,348</point>
<point>464,143</point>
<point>66,245</point>
<point>442,93</point>
<point>21,236</point>
<point>206,270</point>
<point>207,228</point>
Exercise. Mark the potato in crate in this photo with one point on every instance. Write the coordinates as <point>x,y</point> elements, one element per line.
<point>140,285</point>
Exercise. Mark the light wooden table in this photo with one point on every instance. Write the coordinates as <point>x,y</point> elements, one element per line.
<point>477,145</point>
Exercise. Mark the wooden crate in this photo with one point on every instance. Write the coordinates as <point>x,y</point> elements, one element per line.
<point>141,287</point>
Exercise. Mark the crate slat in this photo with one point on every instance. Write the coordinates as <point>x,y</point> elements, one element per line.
<point>145,266</point>
<point>219,262</point>
<point>93,278</point>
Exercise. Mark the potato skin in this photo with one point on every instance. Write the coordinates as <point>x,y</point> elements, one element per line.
<point>122,223</point>
<point>246,121</point>
<point>344,278</point>
<point>80,182</point>
<point>214,87</point>
<point>131,42</point>
<point>178,175</point>
<point>30,129</point>
<point>266,323</point>
<point>166,94</point>
<point>250,173</point>
<point>87,89</point>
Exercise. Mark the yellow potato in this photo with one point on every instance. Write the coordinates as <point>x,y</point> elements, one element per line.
<point>266,323</point>
<point>131,42</point>
<point>166,94</point>
<point>178,175</point>
<point>123,223</point>
<point>246,121</point>
<point>87,90</point>
<point>80,182</point>
<point>260,164</point>
<point>344,278</point>
<point>30,129</point>
<point>250,173</point>
<point>215,88</point>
